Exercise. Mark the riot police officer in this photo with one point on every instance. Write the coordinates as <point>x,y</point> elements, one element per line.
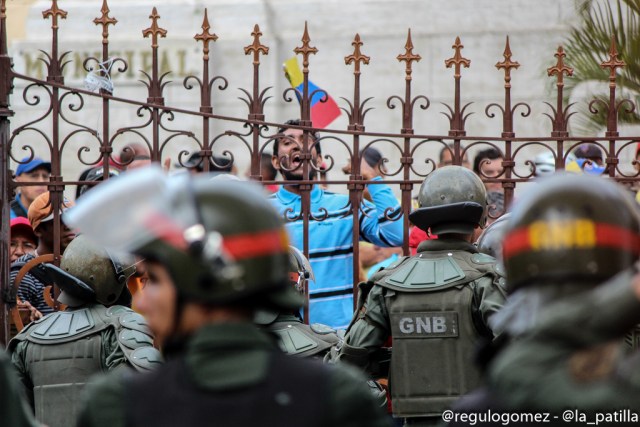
<point>569,252</point>
<point>295,337</point>
<point>215,252</point>
<point>56,355</point>
<point>435,305</point>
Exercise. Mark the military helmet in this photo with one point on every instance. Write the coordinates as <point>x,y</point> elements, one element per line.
<point>103,273</point>
<point>237,249</point>
<point>571,228</point>
<point>221,241</point>
<point>299,269</point>
<point>299,272</point>
<point>490,241</point>
<point>452,199</point>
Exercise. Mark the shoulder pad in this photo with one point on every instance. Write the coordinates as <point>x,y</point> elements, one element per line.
<point>321,329</point>
<point>61,326</point>
<point>134,339</point>
<point>397,262</point>
<point>117,310</point>
<point>480,258</point>
<point>134,321</point>
<point>145,358</point>
<point>134,331</point>
<point>419,274</point>
<point>293,341</point>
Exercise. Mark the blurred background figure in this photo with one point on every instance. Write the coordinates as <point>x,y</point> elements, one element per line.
<point>95,174</point>
<point>29,171</point>
<point>134,155</point>
<point>488,164</point>
<point>589,159</point>
<point>446,157</point>
<point>32,288</point>
<point>23,239</point>
<point>589,152</point>
<point>545,164</point>
<point>195,164</point>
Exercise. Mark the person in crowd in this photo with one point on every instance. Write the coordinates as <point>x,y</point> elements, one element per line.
<point>56,355</point>
<point>488,164</point>
<point>34,170</point>
<point>94,174</point>
<point>32,286</point>
<point>446,157</point>
<point>436,303</point>
<point>221,255</point>
<point>23,239</point>
<point>590,152</point>
<point>134,155</point>
<point>331,235</point>
<point>570,251</point>
<point>195,164</point>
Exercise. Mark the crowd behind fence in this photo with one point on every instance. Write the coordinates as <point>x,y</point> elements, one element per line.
<point>56,105</point>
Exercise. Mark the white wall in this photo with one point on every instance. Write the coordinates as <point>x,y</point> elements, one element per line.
<point>535,30</point>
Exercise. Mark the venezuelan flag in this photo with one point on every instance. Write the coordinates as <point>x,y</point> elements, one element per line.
<point>322,113</point>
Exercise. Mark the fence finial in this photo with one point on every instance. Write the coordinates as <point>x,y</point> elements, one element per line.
<point>507,64</point>
<point>305,50</point>
<point>457,58</point>
<point>613,63</point>
<point>408,57</point>
<point>205,36</point>
<point>105,20</point>
<point>256,47</point>
<point>154,29</point>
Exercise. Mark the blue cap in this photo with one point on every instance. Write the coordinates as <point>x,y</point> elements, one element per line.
<point>35,163</point>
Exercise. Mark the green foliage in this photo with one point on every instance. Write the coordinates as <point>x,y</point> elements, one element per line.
<point>588,46</point>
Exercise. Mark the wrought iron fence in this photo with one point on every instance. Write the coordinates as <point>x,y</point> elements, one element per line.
<point>152,121</point>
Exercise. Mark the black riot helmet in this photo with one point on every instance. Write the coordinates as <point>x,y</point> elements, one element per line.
<point>571,227</point>
<point>452,199</point>
<point>221,241</point>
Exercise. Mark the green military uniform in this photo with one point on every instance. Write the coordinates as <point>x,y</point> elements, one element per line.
<point>296,338</point>
<point>573,357</point>
<point>56,355</point>
<point>569,252</point>
<point>232,360</point>
<point>15,411</point>
<point>435,305</point>
<point>435,323</point>
<point>225,251</point>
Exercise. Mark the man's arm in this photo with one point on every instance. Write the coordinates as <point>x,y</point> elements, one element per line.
<point>489,296</point>
<point>375,225</point>
<point>367,334</point>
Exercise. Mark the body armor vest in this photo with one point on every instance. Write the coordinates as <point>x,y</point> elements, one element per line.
<point>434,327</point>
<point>65,349</point>
<point>169,397</point>
<point>297,339</point>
